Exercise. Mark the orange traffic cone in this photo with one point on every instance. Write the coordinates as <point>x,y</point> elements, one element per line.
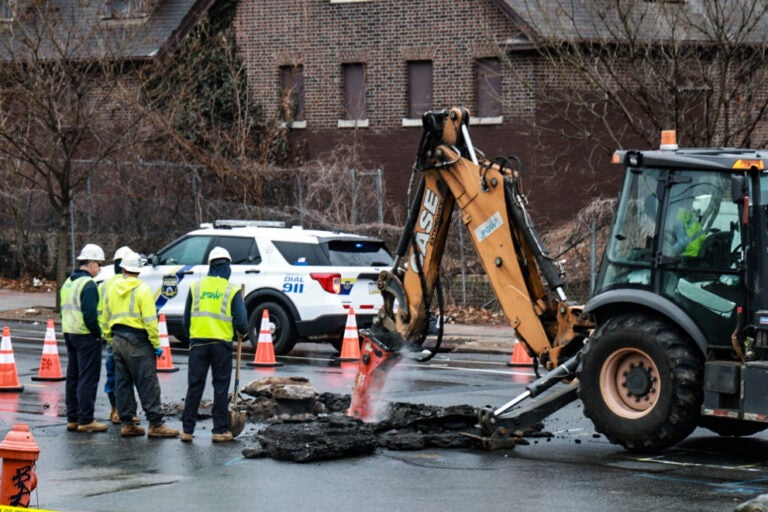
<point>9,379</point>
<point>350,346</point>
<point>265,351</point>
<point>50,366</point>
<point>165,361</point>
<point>519,356</point>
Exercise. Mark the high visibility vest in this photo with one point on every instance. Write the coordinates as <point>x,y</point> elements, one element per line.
<point>103,287</point>
<point>692,226</point>
<point>72,321</point>
<point>211,312</point>
<point>128,314</point>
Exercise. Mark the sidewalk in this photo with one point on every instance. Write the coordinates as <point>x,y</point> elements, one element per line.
<point>27,306</point>
<point>37,306</point>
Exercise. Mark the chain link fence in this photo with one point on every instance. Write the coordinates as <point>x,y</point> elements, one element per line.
<point>148,205</point>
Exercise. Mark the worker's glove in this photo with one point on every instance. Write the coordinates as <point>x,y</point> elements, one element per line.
<point>158,352</point>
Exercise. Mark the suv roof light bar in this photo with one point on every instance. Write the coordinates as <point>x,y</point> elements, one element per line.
<point>228,223</point>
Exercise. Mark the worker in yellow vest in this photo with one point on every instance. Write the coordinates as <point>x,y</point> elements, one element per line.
<point>109,364</point>
<point>130,319</point>
<point>79,297</point>
<point>214,313</point>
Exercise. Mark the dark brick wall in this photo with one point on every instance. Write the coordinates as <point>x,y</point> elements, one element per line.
<point>385,34</point>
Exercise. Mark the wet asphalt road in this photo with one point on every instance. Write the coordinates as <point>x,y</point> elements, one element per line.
<point>573,471</point>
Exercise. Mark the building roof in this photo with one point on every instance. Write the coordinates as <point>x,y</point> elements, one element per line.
<point>99,28</point>
<point>740,21</point>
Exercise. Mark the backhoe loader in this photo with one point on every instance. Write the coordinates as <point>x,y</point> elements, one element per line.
<point>675,335</point>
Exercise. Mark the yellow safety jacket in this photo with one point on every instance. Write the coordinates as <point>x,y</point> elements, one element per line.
<point>210,314</point>
<point>103,293</point>
<point>694,231</point>
<point>129,302</point>
<point>72,321</point>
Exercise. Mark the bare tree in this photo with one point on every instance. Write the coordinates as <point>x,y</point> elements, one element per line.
<point>613,73</point>
<point>63,99</point>
<point>198,98</point>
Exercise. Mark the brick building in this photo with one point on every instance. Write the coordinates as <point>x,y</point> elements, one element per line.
<point>363,71</point>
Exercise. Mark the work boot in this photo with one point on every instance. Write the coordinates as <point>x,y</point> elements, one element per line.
<point>114,416</point>
<point>224,437</point>
<point>186,438</point>
<point>72,426</point>
<point>93,426</point>
<point>131,430</point>
<point>162,430</point>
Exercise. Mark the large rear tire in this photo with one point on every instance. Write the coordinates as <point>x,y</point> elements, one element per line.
<point>280,323</point>
<point>641,382</point>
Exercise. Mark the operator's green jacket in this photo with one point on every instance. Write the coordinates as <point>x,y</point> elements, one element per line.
<point>693,230</point>
<point>129,302</point>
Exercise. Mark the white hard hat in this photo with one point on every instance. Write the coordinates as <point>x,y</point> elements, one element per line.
<point>91,252</point>
<point>121,252</point>
<point>131,262</point>
<point>218,253</point>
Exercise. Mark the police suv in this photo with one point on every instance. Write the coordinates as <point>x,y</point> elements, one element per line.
<point>307,280</point>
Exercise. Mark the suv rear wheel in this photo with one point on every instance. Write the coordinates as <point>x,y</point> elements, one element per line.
<point>281,324</point>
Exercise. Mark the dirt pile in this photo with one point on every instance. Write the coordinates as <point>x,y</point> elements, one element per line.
<point>301,425</point>
<point>332,435</point>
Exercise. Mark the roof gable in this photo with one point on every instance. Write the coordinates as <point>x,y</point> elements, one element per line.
<point>93,29</point>
<point>739,21</point>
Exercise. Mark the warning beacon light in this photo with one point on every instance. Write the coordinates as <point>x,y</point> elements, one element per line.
<point>668,140</point>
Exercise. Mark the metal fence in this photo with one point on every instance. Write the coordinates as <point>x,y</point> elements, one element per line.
<point>148,205</point>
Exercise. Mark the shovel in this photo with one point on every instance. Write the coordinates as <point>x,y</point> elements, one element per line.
<point>237,416</point>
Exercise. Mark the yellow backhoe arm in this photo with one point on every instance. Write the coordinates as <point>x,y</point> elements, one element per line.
<point>492,207</point>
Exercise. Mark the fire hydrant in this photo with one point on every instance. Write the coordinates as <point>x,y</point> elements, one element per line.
<point>19,452</point>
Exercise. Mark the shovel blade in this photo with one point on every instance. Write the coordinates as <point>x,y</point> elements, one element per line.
<point>236,422</point>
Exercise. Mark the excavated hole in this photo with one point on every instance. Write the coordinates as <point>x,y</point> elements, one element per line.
<point>301,425</point>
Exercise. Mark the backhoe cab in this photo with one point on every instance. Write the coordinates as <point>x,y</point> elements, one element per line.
<point>674,336</point>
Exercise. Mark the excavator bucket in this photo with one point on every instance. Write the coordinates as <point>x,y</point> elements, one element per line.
<point>376,359</point>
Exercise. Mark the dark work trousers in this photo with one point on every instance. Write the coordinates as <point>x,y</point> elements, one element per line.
<point>217,356</point>
<point>136,366</point>
<point>83,370</point>
<point>109,385</point>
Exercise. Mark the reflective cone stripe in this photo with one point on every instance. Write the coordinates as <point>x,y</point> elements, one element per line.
<point>50,365</point>
<point>165,361</point>
<point>519,356</point>
<point>265,350</point>
<point>350,346</point>
<point>9,379</point>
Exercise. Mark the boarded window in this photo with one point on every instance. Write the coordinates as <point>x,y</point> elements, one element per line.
<point>419,88</point>
<point>6,11</point>
<point>354,91</point>
<point>292,92</point>
<point>488,87</point>
<point>121,9</point>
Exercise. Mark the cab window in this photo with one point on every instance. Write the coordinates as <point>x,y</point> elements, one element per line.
<point>700,227</point>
